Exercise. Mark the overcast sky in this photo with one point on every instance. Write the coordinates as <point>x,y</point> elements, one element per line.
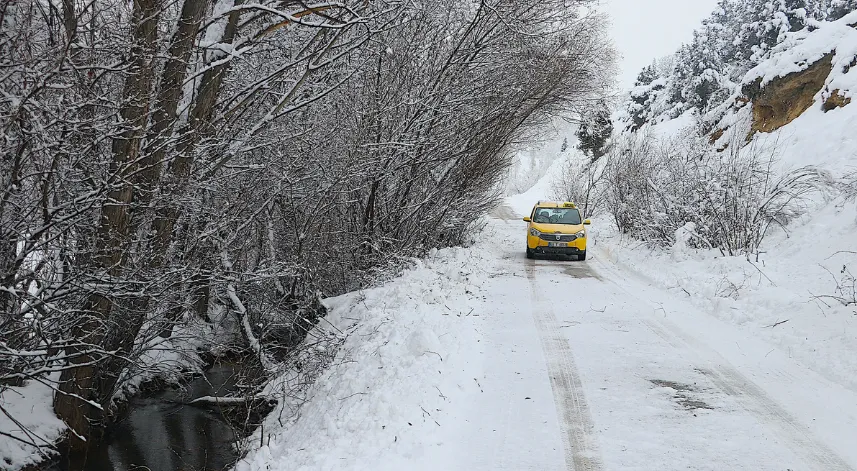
<point>644,30</point>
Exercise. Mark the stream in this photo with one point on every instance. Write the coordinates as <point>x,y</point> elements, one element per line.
<point>160,433</point>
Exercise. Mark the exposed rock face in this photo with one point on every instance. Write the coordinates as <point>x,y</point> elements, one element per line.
<point>850,65</point>
<point>716,135</point>
<point>785,98</point>
<point>835,100</point>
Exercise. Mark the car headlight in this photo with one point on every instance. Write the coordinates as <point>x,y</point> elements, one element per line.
<point>535,232</point>
<point>581,234</point>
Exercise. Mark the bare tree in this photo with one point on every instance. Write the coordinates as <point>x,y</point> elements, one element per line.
<point>165,161</point>
<point>581,182</point>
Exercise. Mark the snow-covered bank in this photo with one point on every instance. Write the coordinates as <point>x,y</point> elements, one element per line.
<point>34,422</point>
<point>30,430</point>
<point>532,163</point>
<point>541,190</point>
<point>411,353</point>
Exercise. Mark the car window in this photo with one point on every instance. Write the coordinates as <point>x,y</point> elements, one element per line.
<point>569,216</point>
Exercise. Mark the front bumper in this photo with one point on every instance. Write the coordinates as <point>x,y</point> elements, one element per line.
<point>558,250</point>
<point>540,246</point>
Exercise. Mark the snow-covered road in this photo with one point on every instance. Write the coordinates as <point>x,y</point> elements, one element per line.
<point>641,380</point>
<point>557,365</point>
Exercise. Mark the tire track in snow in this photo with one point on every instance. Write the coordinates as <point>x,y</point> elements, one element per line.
<point>748,394</point>
<point>578,429</point>
<point>754,400</point>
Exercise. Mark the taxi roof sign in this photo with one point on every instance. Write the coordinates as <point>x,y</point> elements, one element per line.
<point>555,204</point>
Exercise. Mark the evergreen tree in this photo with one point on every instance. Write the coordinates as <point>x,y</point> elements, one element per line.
<point>705,70</point>
<point>641,96</point>
<point>720,31</point>
<point>647,75</point>
<point>836,9</point>
<point>766,22</point>
<point>595,131</point>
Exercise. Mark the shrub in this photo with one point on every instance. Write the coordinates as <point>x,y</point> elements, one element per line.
<point>725,201</point>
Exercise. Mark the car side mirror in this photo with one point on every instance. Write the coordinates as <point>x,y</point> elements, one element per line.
<point>528,220</point>
<point>587,222</point>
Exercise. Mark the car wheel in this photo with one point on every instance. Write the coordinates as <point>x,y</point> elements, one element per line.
<point>530,253</point>
<point>582,256</point>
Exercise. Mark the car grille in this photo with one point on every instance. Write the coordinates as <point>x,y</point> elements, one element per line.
<point>562,237</point>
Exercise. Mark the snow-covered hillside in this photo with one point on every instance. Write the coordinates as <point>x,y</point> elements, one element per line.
<point>531,163</point>
<point>793,108</point>
<point>738,42</point>
<point>823,133</point>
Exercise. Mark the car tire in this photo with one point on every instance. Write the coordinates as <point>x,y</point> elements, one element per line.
<point>530,253</point>
<point>582,256</point>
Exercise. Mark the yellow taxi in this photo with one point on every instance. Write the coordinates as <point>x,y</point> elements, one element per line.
<point>556,228</point>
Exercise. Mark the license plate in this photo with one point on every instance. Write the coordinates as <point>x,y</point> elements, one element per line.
<point>557,244</point>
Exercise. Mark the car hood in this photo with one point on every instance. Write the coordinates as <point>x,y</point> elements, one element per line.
<point>559,228</point>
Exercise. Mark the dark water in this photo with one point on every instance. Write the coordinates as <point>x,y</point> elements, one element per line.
<point>161,434</point>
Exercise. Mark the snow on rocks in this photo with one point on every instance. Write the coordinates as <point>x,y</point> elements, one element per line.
<point>819,136</point>
<point>805,47</point>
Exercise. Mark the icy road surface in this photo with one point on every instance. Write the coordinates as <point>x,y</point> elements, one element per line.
<point>485,360</point>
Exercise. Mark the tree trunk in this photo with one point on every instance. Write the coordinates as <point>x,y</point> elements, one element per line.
<point>178,174</point>
<point>198,126</point>
<point>170,92</point>
<point>83,385</point>
<point>164,117</point>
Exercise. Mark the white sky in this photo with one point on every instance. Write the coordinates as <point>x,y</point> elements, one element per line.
<point>644,30</point>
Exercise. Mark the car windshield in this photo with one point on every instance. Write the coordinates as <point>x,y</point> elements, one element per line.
<point>557,216</point>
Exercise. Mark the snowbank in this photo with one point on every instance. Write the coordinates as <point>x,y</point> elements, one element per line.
<point>34,422</point>
<point>408,354</point>
<point>169,360</point>
<point>530,164</point>
<point>781,298</point>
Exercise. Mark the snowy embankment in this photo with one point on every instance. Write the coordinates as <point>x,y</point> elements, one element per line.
<point>531,164</point>
<point>410,353</point>
<point>782,298</point>
<point>34,422</point>
<point>541,190</point>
